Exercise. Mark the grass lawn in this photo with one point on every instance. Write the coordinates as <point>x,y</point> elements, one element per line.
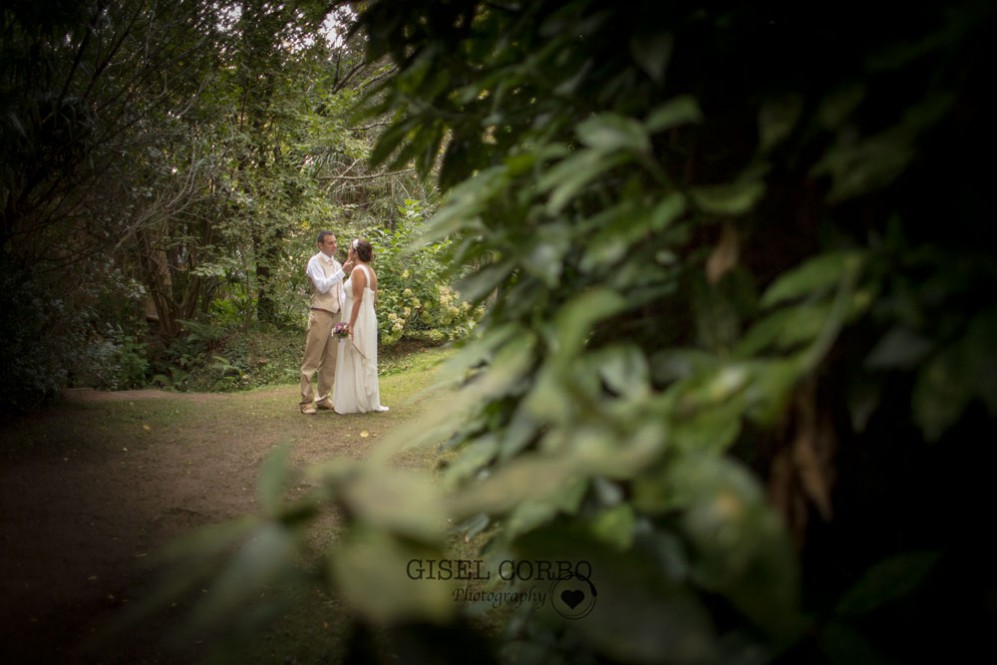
<point>92,490</point>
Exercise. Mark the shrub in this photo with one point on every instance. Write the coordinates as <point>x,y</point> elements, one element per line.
<point>415,299</point>
<point>113,361</point>
<point>39,336</point>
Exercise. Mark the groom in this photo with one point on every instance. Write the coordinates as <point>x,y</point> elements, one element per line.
<point>326,277</point>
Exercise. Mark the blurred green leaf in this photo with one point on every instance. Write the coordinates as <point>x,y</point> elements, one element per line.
<point>777,119</point>
<point>812,276</point>
<point>522,429</point>
<point>872,164</point>
<point>616,235</point>
<point>770,330</point>
<point>955,375</point>
<point>266,556</point>
<point>742,549</point>
<point>549,399</point>
<point>673,113</point>
<point>609,131</point>
<point>191,562</point>
<point>712,386</point>
<point>481,350</point>
<point>785,329</point>
<point>843,644</point>
<point>652,51</point>
<point>708,430</point>
<point>464,205</point>
<point>565,180</point>
<point>507,369</point>
<point>887,581</point>
<point>528,477</point>
<point>474,457</point>
<point>391,140</point>
<point>624,369</point>
<point>371,570</point>
<point>615,526</point>
<point>208,542</point>
<point>626,225</point>
<point>674,364</point>
<point>403,501</point>
<point>864,397</point>
<point>941,392</point>
<point>731,199</point>
<point>600,451</point>
<point>530,514</point>
<point>840,104</point>
<point>652,491</point>
<point>771,388</point>
<point>271,481</point>
<point>546,255</point>
<point>575,319</point>
<point>901,347</point>
<point>859,167</point>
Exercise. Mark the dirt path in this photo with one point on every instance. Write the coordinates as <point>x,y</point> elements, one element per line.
<point>91,489</point>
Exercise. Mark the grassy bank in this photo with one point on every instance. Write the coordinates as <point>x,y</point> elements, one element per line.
<point>93,489</point>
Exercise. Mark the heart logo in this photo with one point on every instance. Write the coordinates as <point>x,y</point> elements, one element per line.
<point>572,597</point>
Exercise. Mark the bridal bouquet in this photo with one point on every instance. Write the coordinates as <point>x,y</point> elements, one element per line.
<point>341,330</point>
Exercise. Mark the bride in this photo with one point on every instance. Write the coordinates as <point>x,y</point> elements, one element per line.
<point>356,386</point>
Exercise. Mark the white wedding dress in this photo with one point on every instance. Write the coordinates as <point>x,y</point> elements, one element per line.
<point>356,388</point>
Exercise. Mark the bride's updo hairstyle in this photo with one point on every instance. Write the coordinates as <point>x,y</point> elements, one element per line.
<point>364,250</point>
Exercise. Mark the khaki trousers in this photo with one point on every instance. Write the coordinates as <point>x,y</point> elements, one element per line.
<point>320,356</point>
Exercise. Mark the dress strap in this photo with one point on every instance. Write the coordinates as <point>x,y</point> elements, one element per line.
<point>366,273</point>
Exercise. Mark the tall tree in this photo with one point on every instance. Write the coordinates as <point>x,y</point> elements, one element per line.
<point>82,85</point>
<point>272,66</point>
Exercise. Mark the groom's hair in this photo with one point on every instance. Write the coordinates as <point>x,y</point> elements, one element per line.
<point>322,235</point>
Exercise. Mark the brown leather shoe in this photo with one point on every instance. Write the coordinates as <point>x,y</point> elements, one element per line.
<point>308,410</point>
<point>324,405</point>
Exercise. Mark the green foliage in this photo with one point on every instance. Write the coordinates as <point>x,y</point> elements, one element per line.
<point>415,300</point>
<point>57,332</point>
<point>114,362</point>
<point>195,181</point>
<point>214,357</point>
<point>739,343</point>
<point>33,365</point>
<point>717,264</point>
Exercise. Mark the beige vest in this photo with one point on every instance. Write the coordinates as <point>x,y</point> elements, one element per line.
<point>330,300</point>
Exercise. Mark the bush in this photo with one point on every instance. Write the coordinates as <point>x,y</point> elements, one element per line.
<point>415,300</point>
<point>113,361</point>
<point>38,337</point>
<point>53,338</point>
<point>210,357</point>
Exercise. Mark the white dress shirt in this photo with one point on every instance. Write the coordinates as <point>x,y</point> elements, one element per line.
<point>322,282</point>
